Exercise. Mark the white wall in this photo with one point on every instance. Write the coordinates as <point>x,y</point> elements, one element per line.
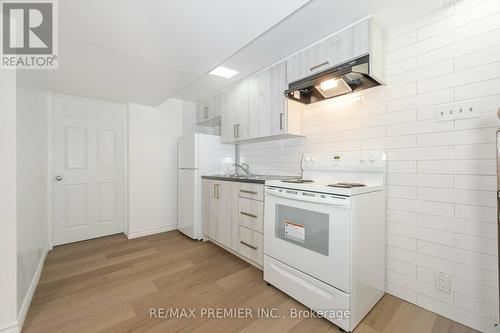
<point>8,214</point>
<point>32,155</point>
<point>441,175</point>
<point>152,167</point>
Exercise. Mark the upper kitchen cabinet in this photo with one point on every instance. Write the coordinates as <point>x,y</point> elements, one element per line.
<point>257,108</point>
<point>359,39</point>
<point>208,111</point>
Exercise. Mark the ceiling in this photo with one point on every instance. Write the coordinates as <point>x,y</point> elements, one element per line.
<point>150,50</point>
<point>146,51</point>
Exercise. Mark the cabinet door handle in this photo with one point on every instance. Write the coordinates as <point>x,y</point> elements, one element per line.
<point>215,191</point>
<point>281,120</point>
<point>238,131</point>
<point>319,65</point>
<point>218,188</point>
<point>249,192</point>
<point>250,246</point>
<point>249,215</point>
<point>234,131</point>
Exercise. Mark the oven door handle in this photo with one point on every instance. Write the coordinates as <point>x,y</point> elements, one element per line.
<point>343,202</point>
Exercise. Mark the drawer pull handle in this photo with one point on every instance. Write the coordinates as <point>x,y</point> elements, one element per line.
<point>249,192</point>
<point>249,215</point>
<point>319,65</point>
<point>250,246</point>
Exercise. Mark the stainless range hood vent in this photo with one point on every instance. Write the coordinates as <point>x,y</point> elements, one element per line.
<point>346,78</point>
<point>348,61</point>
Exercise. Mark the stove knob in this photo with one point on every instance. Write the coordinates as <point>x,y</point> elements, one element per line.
<point>362,158</point>
<point>313,159</point>
<point>307,159</point>
<point>372,158</point>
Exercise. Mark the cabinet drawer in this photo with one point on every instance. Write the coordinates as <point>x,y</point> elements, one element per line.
<point>251,214</point>
<point>250,245</point>
<point>252,191</point>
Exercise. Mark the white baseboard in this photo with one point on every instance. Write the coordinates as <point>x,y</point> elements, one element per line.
<point>147,232</point>
<point>10,328</point>
<point>31,291</point>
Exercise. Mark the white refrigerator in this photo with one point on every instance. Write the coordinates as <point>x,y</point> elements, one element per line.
<point>198,155</point>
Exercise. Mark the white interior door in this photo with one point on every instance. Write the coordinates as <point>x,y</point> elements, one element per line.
<point>88,169</point>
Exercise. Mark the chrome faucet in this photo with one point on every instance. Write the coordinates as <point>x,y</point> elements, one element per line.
<point>243,166</point>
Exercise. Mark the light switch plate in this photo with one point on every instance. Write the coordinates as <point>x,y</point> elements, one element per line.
<point>456,110</point>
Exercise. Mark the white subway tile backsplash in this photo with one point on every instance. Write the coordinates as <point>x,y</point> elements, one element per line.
<point>474,90</point>
<point>475,274</point>
<point>485,119</point>
<point>475,290</point>
<point>476,28</point>
<point>454,254</point>
<point>457,313</point>
<point>457,225</point>
<point>401,216</point>
<point>432,180</point>
<point>474,182</point>
<point>402,67</point>
<point>474,151</point>
<point>389,142</point>
<point>419,286</point>
<point>478,58</point>
<point>421,100</point>
<point>418,232</point>
<point>457,137</point>
<point>462,167</point>
<point>477,306</point>
<point>427,153</point>
<point>401,166</point>
<point>435,28</point>
<point>401,242</point>
<point>401,41</point>
<point>420,259</point>
<point>478,213</point>
<point>459,48</point>
<point>406,192</point>
<point>401,292</point>
<point>476,244</point>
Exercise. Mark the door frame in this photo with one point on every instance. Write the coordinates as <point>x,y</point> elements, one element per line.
<point>50,163</point>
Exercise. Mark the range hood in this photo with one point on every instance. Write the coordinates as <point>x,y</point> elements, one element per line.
<point>343,79</point>
<point>348,61</point>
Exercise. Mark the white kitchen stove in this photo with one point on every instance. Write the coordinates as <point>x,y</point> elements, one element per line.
<point>324,236</point>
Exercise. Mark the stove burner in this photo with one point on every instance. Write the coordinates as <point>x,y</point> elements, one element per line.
<point>347,185</point>
<point>297,181</point>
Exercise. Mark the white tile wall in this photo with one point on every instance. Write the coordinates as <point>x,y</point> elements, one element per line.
<point>441,176</point>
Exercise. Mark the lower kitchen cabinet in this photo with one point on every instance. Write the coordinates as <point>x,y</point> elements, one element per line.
<point>220,212</point>
<point>233,216</point>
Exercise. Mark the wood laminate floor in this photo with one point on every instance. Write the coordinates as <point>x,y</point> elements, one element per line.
<point>110,284</point>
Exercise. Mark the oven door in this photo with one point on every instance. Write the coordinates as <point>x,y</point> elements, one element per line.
<point>310,232</point>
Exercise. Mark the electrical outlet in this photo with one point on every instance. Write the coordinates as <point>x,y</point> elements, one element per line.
<point>443,282</point>
<point>457,110</point>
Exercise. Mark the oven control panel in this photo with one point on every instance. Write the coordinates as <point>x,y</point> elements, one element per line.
<point>361,160</point>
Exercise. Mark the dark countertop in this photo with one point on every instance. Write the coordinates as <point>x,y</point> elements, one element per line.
<point>258,179</point>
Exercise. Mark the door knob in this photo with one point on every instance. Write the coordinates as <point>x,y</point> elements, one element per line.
<point>59,178</point>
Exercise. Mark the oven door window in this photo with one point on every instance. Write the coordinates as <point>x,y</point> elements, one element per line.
<point>305,228</point>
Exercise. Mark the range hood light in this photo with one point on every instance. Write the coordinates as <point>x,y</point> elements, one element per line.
<point>329,84</point>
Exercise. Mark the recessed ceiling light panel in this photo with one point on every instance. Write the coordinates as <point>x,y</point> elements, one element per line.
<point>223,72</point>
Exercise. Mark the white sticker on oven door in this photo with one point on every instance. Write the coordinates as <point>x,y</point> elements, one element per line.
<point>295,232</point>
